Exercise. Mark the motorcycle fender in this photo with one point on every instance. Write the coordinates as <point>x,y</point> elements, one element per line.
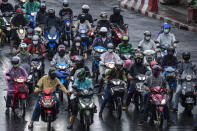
<point>51,45</point>
<point>62,80</point>
<point>87,113</point>
<point>22,95</point>
<point>160,108</point>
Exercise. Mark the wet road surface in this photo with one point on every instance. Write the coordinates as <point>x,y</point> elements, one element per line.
<point>130,119</point>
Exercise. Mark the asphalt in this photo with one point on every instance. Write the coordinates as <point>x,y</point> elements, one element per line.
<point>129,122</point>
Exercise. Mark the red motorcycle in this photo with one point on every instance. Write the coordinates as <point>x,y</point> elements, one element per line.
<point>118,32</point>
<point>48,107</point>
<point>158,99</point>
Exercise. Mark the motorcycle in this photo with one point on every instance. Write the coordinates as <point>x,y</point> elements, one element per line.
<point>159,99</point>
<point>188,99</point>
<point>36,70</point>
<point>63,74</point>
<point>52,37</point>
<point>83,33</point>
<point>87,107</point>
<point>97,51</point>
<point>67,33</point>
<point>32,19</point>
<point>149,55</point>
<point>19,96</point>
<point>21,33</point>
<point>140,89</point>
<point>48,107</point>
<point>170,76</point>
<point>125,57</point>
<point>20,3</point>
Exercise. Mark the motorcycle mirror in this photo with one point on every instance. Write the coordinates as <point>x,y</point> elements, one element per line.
<point>156,41</point>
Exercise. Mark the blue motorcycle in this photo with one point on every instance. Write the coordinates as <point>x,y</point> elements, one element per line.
<point>67,33</point>
<point>97,51</point>
<point>32,19</point>
<point>62,75</point>
<point>52,37</point>
<point>83,33</point>
<point>170,76</point>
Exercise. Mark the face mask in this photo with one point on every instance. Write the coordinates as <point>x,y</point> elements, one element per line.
<point>77,44</point>
<point>166,31</point>
<point>35,42</point>
<point>29,36</point>
<point>110,50</point>
<point>147,38</point>
<point>82,21</point>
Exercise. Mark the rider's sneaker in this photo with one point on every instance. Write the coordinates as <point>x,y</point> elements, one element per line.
<point>124,107</point>
<point>30,126</point>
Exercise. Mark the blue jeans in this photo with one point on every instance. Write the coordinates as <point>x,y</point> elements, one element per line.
<point>36,112</point>
<point>130,93</point>
<point>176,96</point>
<point>195,122</point>
<point>106,98</point>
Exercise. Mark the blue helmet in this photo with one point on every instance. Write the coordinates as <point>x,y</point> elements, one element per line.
<point>166,25</point>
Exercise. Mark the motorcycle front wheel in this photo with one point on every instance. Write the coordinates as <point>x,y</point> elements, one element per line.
<point>118,108</point>
<point>49,123</point>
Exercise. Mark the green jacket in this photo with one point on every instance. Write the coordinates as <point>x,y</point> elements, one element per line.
<point>115,74</point>
<point>121,48</point>
<point>2,23</point>
<point>28,6</point>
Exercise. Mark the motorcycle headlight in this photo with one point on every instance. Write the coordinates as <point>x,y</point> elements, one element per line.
<point>21,31</point>
<point>100,50</point>
<point>127,56</point>
<point>91,105</point>
<point>83,31</point>
<point>32,14</point>
<point>67,24</point>
<point>49,37</point>
<point>38,68</point>
<point>55,37</point>
<point>110,65</point>
<point>62,67</point>
<point>188,77</point>
<point>82,104</point>
<point>116,82</point>
<point>163,102</point>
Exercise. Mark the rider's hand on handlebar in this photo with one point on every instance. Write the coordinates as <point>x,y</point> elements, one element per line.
<point>130,77</point>
<point>148,89</point>
<point>75,93</point>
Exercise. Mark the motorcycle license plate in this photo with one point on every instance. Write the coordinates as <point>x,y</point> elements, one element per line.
<point>189,100</point>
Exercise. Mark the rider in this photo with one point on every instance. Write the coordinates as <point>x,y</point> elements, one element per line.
<point>116,17</point>
<point>6,7</point>
<point>82,23</point>
<point>66,10</point>
<point>154,80</point>
<point>137,68</point>
<point>42,15</point>
<point>31,5</point>
<point>25,57</point>
<point>103,22</point>
<point>169,59</point>
<point>61,56</point>
<point>124,47</point>
<point>14,72</point>
<point>116,73</point>
<point>52,20</point>
<point>186,64</point>
<point>85,10</point>
<point>46,82</point>
<point>17,21</point>
<point>28,39</point>
<point>82,83</point>
<point>167,39</point>
<point>103,40</point>
<point>147,43</point>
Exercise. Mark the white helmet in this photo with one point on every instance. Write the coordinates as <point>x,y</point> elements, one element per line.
<point>103,30</point>
<point>85,7</point>
<point>38,31</point>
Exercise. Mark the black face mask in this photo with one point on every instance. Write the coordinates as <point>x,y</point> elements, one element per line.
<point>61,53</point>
<point>82,20</point>
<point>103,34</point>
<point>52,74</point>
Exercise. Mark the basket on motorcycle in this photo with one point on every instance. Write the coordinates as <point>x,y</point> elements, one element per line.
<point>46,112</point>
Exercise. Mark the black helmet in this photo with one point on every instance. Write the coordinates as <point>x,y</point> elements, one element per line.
<point>116,10</point>
<point>186,55</point>
<point>51,12</point>
<point>81,75</point>
<point>170,51</point>
<point>138,58</point>
<point>82,18</point>
<point>15,61</point>
<point>85,8</point>
<point>103,16</point>
<point>42,7</point>
<point>52,73</point>
<point>79,61</point>
<point>61,50</point>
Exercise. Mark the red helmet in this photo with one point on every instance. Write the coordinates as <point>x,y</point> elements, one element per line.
<point>19,11</point>
<point>152,63</point>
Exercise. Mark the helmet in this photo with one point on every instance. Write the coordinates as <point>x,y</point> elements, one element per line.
<point>51,12</point>
<point>103,31</point>
<point>170,51</point>
<point>15,61</point>
<point>23,48</point>
<point>65,4</point>
<point>125,39</point>
<point>119,65</point>
<point>52,73</point>
<point>138,58</point>
<point>81,75</point>
<point>110,47</point>
<point>31,0</point>
<point>79,62</point>
<point>77,41</point>
<point>35,39</point>
<point>147,35</point>
<point>186,55</point>
<point>4,1</point>
<point>43,7</point>
<point>116,10</point>
<point>166,28</point>
<point>156,69</point>
<point>30,33</point>
<point>128,63</point>
<point>37,31</point>
<point>103,16</point>
<point>61,50</point>
<point>82,18</point>
<point>85,8</point>
<point>19,11</point>
<point>152,63</point>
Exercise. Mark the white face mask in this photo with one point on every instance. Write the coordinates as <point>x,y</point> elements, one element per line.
<point>77,44</point>
<point>110,50</point>
<point>147,38</point>
<point>35,42</point>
